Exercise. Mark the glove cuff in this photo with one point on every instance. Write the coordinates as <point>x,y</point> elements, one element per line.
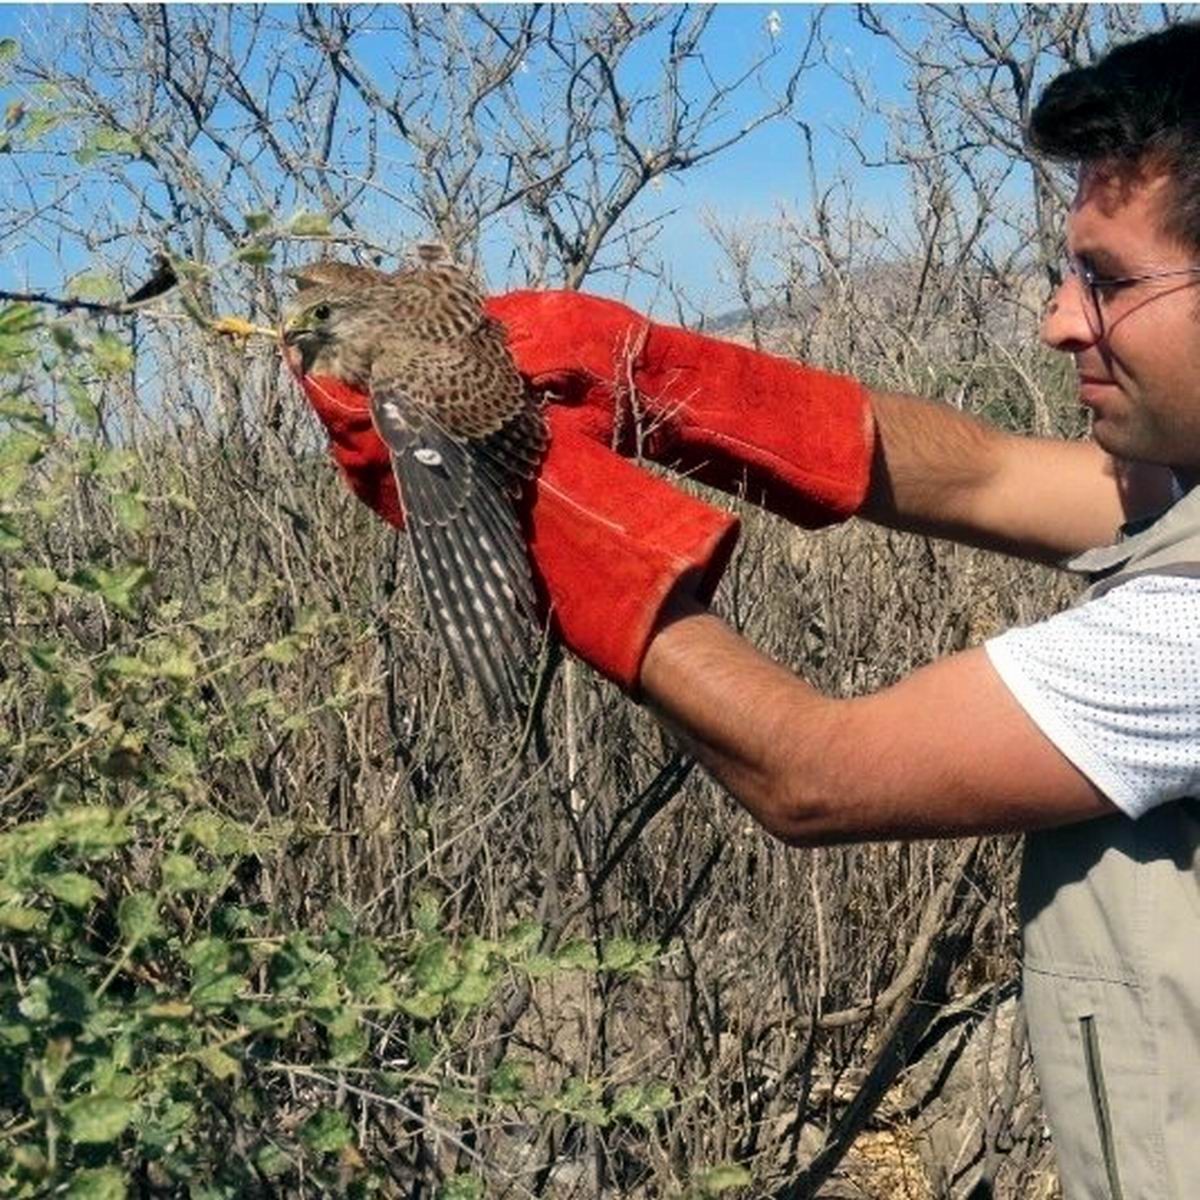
<point>791,438</point>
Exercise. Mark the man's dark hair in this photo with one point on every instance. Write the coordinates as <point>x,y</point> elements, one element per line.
<point>1137,106</point>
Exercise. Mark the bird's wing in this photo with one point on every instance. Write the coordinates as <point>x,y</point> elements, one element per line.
<point>457,492</point>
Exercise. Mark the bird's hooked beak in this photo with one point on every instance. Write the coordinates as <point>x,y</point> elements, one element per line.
<point>302,341</point>
<point>296,330</point>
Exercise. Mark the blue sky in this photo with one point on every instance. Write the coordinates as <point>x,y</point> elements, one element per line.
<point>750,181</point>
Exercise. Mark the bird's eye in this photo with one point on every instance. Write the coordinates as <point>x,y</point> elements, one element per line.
<point>322,312</point>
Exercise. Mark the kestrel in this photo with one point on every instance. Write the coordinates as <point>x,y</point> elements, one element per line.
<point>463,431</point>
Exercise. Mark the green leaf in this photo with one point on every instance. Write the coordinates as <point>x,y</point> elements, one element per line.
<point>170,1010</point>
<point>284,651</point>
<point>27,413</point>
<point>364,970</point>
<point>217,992</point>
<point>271,1161</point>
<point>92,831</point>
<point>159,1130</point>
<point>256,222</point>
<point>579,954</point>
<point>462,1187</point>
<point>204,828</point>
<point>427,913</point>
<point>98,1183</point>
<point>326,1131</point>
<point>21,448</point>
<point>508,1082</point>
<point>256,255</point>
<point>110,355</point>
<point>348,1045</point>
<point>9,49</point>
<point>475,988</point>
<point>626,956</point>
<point>178,664</point>
<point>339,915</point>
<point>423,1005</point>
<point>424,1050</point>
<point>107,140</point>
<point>207,957</point>
<point>95,1119</point>
<point>130,511</point>
<point>35,1004</point>
<point>456,1102</point>
<point>21,919</point>
<point>19,318</point>
<point>641,1102</point>
<point>93,285</point>
<point>305,224</point>
<point>85,409</point>
<point>64,338</point>
<point>72,888</point>
<point>219,1064</point>
<point>579,1098</point>
<point>10,535</point>
<point>521,939</point>
<point>128,666</point>
<point>15,1034</point>
<point>41,579</point>
<point>181,873</point>
<point>12,479</point>
<point>435,969</point>
<point>137,917</point>
<point>256,1017</point>
<point>109,463</point>
<point>41,121</point>
<point>120,586</point>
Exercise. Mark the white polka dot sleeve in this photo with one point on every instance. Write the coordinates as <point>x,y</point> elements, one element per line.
<point>1115,685</point>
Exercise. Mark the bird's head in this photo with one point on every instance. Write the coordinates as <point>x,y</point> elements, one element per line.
<point>326,332</point>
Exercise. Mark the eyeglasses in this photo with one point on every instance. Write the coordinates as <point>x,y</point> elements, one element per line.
<point>1100,289</point>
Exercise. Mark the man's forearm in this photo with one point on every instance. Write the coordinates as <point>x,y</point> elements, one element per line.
<point>943,472</point>
<point>701,681</point>
<point>945,752</point>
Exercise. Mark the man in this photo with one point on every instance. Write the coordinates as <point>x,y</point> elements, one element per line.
<point>1084,730</point>
<point>1087,725</point>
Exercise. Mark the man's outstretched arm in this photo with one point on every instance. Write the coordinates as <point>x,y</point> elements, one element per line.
<point>942,472</point>
<point>945,752</point>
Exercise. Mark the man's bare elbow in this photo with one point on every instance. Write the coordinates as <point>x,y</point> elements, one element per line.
<point>807,797</point>
<point>792,813</point>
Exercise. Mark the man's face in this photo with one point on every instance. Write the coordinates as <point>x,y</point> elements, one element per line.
<point>1139,365</point>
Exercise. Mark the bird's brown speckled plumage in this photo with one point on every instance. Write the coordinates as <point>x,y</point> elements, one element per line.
<point>463,432</point>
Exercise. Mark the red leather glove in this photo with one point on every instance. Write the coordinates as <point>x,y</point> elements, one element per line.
<point>608,541</point>
<point>793,439</point>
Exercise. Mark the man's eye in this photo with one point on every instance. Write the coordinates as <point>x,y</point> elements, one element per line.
<point>321,312</point>
<point>1105,287</point>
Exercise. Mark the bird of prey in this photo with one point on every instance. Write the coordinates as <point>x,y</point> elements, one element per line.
<point>463,432</point>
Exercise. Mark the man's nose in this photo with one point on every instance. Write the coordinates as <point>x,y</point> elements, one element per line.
<point>1067,323</point>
